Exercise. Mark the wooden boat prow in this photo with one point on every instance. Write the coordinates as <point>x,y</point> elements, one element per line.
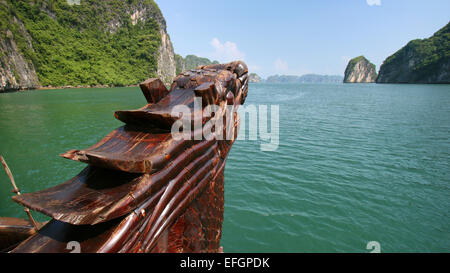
<point>13,231</point>
<point>143,190</point>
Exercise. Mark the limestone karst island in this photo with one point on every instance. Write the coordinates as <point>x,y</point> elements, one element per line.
<point>420,61</point>
<point>360,70</point>
<point>98,43</point>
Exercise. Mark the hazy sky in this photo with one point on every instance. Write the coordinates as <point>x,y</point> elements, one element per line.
<point>299,36</point>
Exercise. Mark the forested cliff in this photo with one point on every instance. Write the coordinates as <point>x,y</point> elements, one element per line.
<point>54,43</point>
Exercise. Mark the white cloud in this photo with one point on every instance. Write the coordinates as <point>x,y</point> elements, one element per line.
<point>226,52</point>
<point>373,2</point>
<point>254,67</point>
<point>281,65</point>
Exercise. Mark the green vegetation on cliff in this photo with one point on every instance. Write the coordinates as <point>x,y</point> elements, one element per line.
<point>421,61</point>
<point>360,70</point>
<point>191,62</point>
<point>95,43</point>
<point>354,61</point>
<point>179,63</point>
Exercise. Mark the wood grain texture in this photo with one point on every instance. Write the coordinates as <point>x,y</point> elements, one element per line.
<point>14,231</point>
<point>98,195</point>
<point>133,150</point>
<point>154,90</point>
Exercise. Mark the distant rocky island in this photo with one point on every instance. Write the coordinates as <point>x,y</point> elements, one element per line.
<point>420,61</point>
<point>308,78</point>
<point>191,62</point>
<point>254,78</point>
<point>360,70</point>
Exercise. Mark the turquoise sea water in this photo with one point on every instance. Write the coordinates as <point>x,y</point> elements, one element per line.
<point>355,163</point>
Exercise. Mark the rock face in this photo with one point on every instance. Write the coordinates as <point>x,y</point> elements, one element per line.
<point>360,70</point>
<point>254,78</point>
<point>166,59</point>
<point>420,61</point>
<point>52,43</point>
<point>15,71</point>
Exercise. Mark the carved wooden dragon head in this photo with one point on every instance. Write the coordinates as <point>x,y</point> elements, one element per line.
<point>144,190</point>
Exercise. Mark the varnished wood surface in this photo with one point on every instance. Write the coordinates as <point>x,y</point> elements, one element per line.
<point>14,231</point>
<point>132,150</point>
<point>55,236</point>
<point>154,90</point>
<point>142,191</point>
<point>98,195</point>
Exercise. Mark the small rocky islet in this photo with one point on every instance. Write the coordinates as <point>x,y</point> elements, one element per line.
<point>360,70</point>
<point>254,78</point>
